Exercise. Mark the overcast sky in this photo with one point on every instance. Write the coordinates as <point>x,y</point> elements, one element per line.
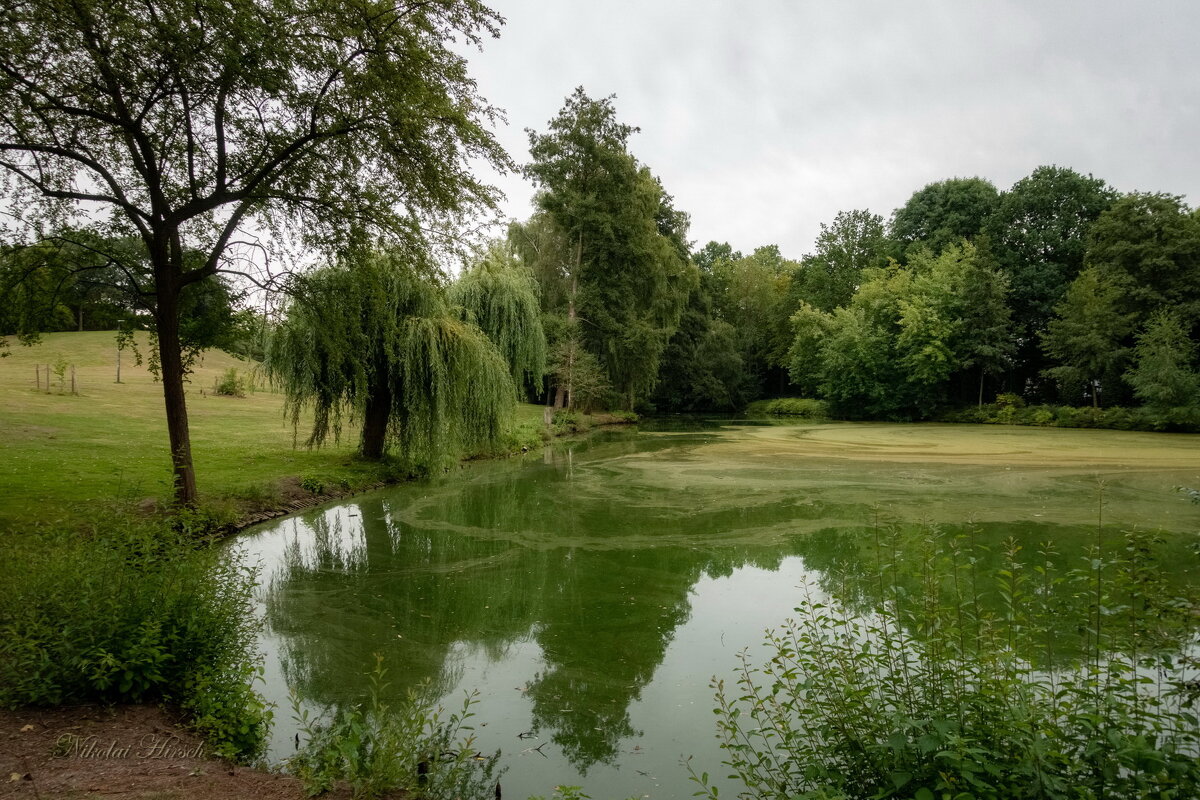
<point>764,119</point>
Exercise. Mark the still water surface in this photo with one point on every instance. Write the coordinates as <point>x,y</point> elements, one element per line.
<point>591,591</point>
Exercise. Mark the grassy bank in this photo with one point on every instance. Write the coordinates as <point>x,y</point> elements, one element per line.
<point>106,599</point>
<point>67,455</point>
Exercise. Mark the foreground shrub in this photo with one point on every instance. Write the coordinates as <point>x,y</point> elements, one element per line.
<point>965,688</point>
<point>133,613</point>
<point>379,749</point>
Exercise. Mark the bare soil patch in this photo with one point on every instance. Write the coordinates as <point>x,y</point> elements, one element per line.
<point>122,752</point>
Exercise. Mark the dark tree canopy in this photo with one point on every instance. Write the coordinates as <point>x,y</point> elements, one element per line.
<point>754,294</point>
<point>1038,234</point>
<point>177,123</point>
<point>943,213</point>
<point>1148,245</point>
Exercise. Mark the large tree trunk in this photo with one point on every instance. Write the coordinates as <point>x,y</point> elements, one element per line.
<point>166,321</point>
<point>375,423</point>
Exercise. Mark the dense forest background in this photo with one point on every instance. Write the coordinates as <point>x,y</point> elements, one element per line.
<point>1057,290</point>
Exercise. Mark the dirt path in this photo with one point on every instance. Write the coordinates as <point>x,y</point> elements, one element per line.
<point>124,752</point>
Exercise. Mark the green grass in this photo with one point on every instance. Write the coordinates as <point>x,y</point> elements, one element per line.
<point>62,454</point>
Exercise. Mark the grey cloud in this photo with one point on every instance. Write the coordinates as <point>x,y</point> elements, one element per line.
<point>765,119</point>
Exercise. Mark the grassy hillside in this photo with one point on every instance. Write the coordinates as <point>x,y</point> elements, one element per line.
<point>62,454</point>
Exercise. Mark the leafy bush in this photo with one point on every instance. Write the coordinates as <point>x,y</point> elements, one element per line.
<point>231,384</point>
<point>378,749</point>
<point>805,407</point>
<point>1043,416</point>
<point>1010,400</point>
<point>945,693</point>
<point>312,484</point>
<point>1005,415</point>
<point>569,421</point>
<point>970,414</point>
<point>138,613</point>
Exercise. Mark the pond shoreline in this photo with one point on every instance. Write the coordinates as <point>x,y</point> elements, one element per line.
<point>297,499</point>
<point>31,738</point>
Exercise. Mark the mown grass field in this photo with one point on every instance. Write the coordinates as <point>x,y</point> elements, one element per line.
<point>70,457</point>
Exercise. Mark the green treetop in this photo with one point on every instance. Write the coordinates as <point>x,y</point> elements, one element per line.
<point>178,122</point>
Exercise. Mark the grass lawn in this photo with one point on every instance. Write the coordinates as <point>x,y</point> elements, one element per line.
<point>63,455</point>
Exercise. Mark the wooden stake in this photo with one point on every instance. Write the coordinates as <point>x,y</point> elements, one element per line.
<point>37,376</point>
<point>74,389</point>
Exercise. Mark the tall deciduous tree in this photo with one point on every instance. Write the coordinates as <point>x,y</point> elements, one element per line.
<point>1038,234</point>
<point>373,339</point>
<point>1087,338</point>
<point>953,317</point>
<point>581,163</point>
<point>626,276</point>
<point>1163,373</point>
<point>898,346</point>
<point>854,241</point>
<point>184,120</point>
<point>754,295</point>
<point>701,369</point>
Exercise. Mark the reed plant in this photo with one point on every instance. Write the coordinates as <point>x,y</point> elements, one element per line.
<point>376,747</point>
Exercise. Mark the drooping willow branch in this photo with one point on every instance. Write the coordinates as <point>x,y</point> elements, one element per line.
<point>373,340</point>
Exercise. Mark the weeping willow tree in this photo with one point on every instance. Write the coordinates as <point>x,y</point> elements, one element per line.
<point>499,295</point>
<point>373,340</point>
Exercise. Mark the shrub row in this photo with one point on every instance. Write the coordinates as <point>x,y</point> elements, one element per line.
<point>1184,419</point>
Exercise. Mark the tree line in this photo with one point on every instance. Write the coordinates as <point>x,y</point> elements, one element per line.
<point>1059,289</point>
<point>140,150</point>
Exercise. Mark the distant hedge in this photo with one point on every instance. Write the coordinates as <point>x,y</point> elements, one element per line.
<point>1183,419</point>
<point>790,407</point>
<point>1011,410</point>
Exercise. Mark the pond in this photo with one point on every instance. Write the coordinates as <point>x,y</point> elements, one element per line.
<point>589,592</point>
